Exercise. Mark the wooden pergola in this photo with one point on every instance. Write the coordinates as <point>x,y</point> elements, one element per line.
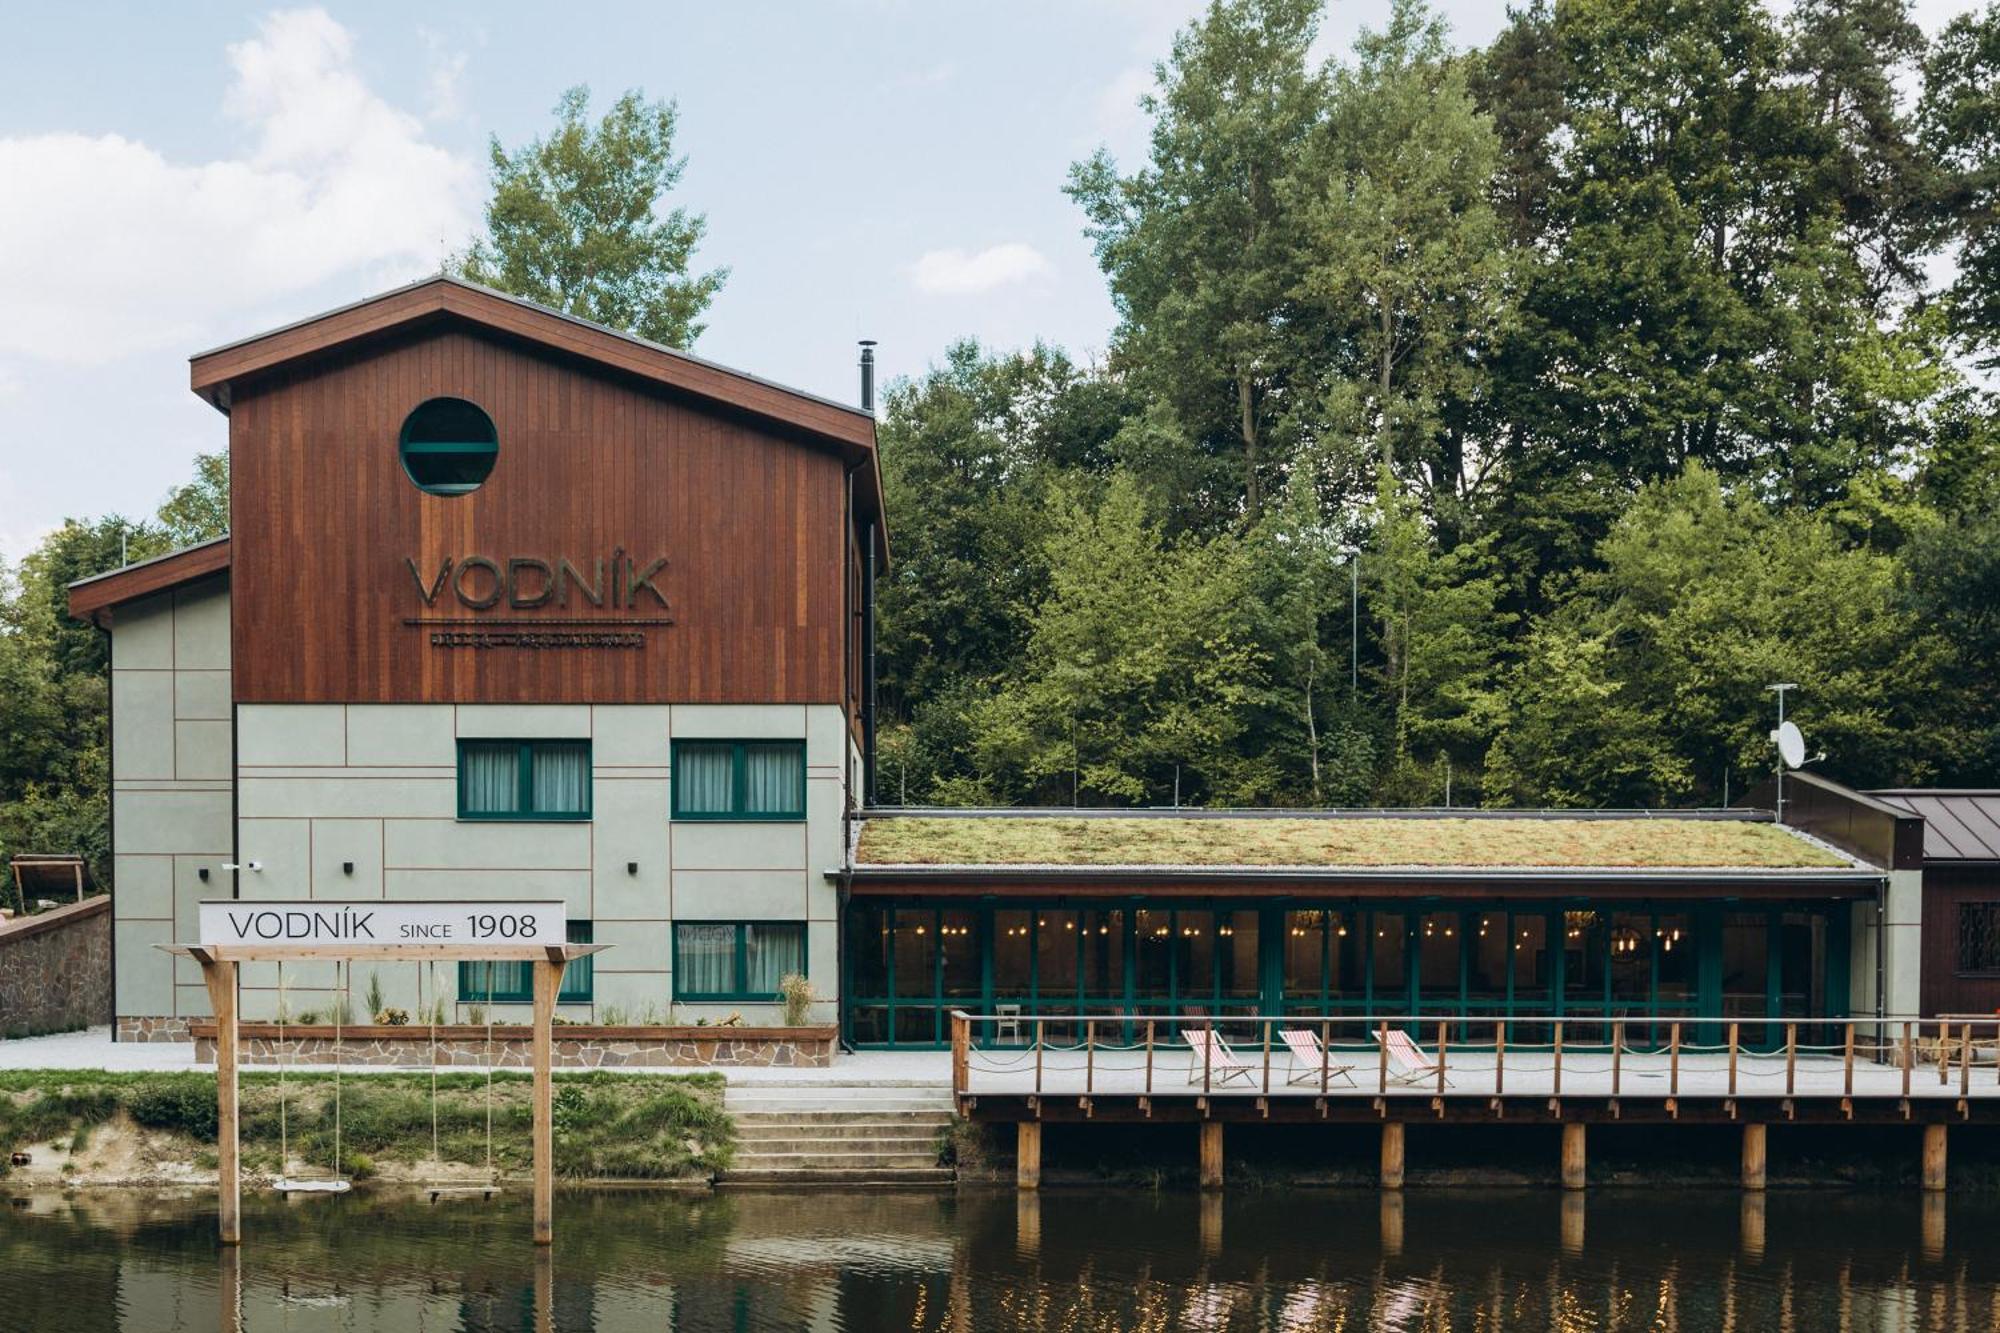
<point>218,973</point>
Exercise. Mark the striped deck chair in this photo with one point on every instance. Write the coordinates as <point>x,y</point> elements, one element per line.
<point>1206,1050</point>
<point>1408,1065</point>
<point>1309,1058</point>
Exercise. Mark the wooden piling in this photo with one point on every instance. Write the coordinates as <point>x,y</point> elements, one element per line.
<point>1754,1159</point>
<point>1573,1174</point>
<point>548,979</point>
<point>220,978</point>
<point>1211,1154</point>
<point>1934,1160</point>
<point>1392,1155</point>
<point>1028,1155</point>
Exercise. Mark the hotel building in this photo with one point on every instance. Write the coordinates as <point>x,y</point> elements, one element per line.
<point>516,605</point>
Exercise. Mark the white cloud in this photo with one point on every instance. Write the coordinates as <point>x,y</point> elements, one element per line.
<point>959,273</point>
<point>444,78</point>
<point>107,247</point>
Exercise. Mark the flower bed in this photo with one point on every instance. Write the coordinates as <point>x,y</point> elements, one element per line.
<point>577,1045</point>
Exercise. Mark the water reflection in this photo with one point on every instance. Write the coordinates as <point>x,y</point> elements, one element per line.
<point>1083,1261</point>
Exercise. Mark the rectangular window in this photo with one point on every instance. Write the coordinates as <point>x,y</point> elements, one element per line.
<point>1979,937</point>
<point>736,960</point>
<point>739,780</point>
<point>514,983</point>
<point>524,779</point>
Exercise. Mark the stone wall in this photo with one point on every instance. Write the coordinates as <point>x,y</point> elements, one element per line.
<point>55,969</point>
<point>143,1027</point>
<point>577,1046</point>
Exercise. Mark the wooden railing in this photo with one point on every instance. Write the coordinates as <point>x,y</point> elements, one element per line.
<point>1699,1055</point>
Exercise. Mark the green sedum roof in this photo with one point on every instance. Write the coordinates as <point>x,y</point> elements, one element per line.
<point>1487,843</point>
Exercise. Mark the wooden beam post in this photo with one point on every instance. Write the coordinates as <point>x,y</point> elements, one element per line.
<point>1754,1135</point>
<point>1931,1229</point>
<point>1571,1222</point>
<point>548,980</point>
<point>1572,1155</point>
<point>1028,1155</point>
<point>1389,1216</point>
<point>1211,1154</point>
<point>1934,1143</point>
<point>220,978</point>
<point>1392,1154</point>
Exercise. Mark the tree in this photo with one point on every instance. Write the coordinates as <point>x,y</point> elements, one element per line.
<point>1649,688</point>
<point>1315,726</point>
<point>1198,244</point>
<point>1960,115</point>
<point>1442,635</point>
<point>1403,251</point>
<point>1139,669</point>
<point>575,222</point>
<point>197,510</point>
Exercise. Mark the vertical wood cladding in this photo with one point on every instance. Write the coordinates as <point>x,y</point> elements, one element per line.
<point>323,519</point>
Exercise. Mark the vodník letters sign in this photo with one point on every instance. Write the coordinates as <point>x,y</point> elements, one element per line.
<point>307,924</point>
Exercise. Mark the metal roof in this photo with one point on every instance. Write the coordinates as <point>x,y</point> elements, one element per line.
<point>1960,824</point>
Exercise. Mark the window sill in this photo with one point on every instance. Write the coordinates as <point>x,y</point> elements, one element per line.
<point>739,819</point>
<point>523,819</point>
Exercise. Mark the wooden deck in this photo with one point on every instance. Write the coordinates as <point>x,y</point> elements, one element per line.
<point>1826,1071</point>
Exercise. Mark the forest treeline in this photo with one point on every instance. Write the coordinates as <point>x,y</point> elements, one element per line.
<point>1490,424</point>
<point>1636,362</point>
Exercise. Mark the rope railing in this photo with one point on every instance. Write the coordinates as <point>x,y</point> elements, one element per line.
<point>1642,1055</point>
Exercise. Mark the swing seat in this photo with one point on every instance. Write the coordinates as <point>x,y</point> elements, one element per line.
<point>459,1190</point>
<point>312,1185</point>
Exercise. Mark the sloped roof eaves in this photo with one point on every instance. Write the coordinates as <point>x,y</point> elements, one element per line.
<point>1958,825</point>
<point>146,578</point>
<point>565,316</point>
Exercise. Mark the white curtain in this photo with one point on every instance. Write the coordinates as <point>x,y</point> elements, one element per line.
<point>562,779</point>
<point>776,779</point>
<point>707,960</point>
<point>703,779</point>
<point>492,779</point>
<point>770,951</point>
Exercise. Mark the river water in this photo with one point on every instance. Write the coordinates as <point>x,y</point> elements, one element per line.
<point>1079,1261</point>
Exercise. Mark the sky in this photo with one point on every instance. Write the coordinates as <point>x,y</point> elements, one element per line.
<point>173,177</point>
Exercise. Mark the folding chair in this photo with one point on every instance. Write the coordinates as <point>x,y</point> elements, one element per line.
<point>1412,1066</point>
<point>1208,1051</point>
<point>1309,1058</point>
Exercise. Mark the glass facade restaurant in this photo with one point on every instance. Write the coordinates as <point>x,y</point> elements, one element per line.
<point>909,963</point>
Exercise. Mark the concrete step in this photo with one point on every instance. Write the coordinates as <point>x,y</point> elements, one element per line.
<point>929,1115</point>
<point>768,1178</point>
<point>873,1131</point>
<point>834,1092</point>
<point>747,1117</point>
<point>921,1159</point>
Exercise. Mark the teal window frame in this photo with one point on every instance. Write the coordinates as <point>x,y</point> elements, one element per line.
<point>579,983</point>
<point>740,965</point>
<point>739,784</point>
<point>407,448</point>
<point>524,778</point>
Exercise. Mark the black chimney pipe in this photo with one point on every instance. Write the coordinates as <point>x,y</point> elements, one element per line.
<point>868,605</point>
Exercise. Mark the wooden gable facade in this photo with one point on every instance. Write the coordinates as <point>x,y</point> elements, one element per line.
<point>653,528</point>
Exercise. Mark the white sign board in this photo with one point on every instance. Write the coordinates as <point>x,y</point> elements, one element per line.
<point>319,923</point>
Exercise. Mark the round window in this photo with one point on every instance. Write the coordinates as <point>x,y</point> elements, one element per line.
<point>448,446</point>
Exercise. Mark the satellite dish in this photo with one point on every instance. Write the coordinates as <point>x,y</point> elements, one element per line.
<point>1791,744</point>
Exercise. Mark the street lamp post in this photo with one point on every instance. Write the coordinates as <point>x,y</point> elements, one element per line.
<point>1353,554</point>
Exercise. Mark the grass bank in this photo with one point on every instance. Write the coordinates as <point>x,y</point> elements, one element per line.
<point>90,1127</point>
